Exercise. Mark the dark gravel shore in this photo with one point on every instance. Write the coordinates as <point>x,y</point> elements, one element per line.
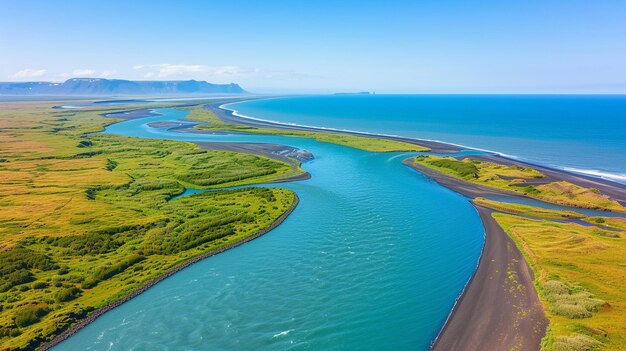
<point>499,309</point>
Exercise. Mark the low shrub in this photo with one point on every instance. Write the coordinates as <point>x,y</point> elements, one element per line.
<point>464,169</point>
<point>570,301</point>
<point>575,342</point>
<point>29,314</point>
<point>67,294</point>
<point>106,272</point>
<point>15,266</point>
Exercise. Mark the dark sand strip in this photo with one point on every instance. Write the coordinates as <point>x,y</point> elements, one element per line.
<point>499,309</point>
<point>228,116</point>
<point>494,311</point>
<point>132,114</point>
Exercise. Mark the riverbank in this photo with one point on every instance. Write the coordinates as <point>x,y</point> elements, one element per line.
<point>99,312</point>
<point>491,299</point>
<point>499,308</point>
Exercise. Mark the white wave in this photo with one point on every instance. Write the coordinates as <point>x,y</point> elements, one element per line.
<point>618,177</point>
<point>238,114</point>
<point>282,333</point>
<point>71,106</point>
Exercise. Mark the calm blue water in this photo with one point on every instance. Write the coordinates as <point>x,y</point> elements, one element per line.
<point>373,258</point>
<point>587,133</point>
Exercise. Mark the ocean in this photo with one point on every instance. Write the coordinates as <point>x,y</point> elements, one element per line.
<point>581,133</point>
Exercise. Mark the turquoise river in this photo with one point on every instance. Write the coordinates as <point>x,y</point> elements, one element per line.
<point>373,258</point>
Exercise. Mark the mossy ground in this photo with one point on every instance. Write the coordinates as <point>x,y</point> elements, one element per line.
<point>85,218</point>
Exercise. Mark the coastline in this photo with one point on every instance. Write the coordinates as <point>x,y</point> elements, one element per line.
<point>229,116</point>
<point>485,303</point>
<point>154,281</point>
<point>232,115</point>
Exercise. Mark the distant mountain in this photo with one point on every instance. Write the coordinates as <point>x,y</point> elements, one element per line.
<point>100,86</point>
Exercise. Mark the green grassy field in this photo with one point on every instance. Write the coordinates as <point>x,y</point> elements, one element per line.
<point>85,219</point>
<point>514,178</point>
<point>213,123</point>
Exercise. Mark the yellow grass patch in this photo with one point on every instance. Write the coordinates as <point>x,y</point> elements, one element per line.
<point>591,262</point>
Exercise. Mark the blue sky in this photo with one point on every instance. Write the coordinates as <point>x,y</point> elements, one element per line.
<point>312,46</point>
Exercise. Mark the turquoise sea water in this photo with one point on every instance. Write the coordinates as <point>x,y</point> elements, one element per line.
<point>372,258</point>
<point>582,133</point>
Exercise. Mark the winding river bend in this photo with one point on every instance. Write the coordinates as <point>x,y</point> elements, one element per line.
<point>372,258</point>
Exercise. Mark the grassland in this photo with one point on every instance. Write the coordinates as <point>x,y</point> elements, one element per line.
<point>608,222</point>
<point>525,210</point>
<point>579,275</point>
<point>85,219</point>
<point>373,144</point>
<point>522,180</point>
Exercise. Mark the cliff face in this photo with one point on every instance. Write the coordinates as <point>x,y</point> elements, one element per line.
<point>99,86</point>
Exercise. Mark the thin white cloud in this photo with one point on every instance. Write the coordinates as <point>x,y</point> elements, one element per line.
<point>81,72</point>
<point>168,70</point>
<point>29,73</point>
<point>107,74</point>
<point>87,73</point>
<point>228,70</point>
<point>165,70</point>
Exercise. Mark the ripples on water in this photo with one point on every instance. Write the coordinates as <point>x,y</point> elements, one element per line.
<point>372,258</point>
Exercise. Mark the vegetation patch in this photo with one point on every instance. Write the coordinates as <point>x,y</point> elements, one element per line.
<point>575,342</point>
<point>570,301</point>
<point>579,275</point>
<point>87,218</point>
<point>515,178</point>
<point>526,210</point>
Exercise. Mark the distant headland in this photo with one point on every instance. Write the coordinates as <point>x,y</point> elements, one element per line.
<point>100,86</point>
